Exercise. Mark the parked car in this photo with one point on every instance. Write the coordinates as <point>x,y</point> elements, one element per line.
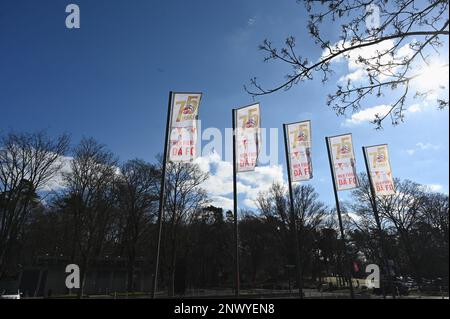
<point>411,283</point>
<point>5,294</point>
<point>437,285</point>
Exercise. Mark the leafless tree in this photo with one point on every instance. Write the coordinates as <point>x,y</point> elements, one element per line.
<point>402,209</point>
<point>435,212</point>
<point>274,202</point>
<point>408,217</point>
<point>370,233</point>
<point>309,214</point>
<point>28,162</point>
<point>184,198</point>
<point>401,213</point>
<point>137,198</point>
<point>88,199</point>
<point>362,205</point>
<point>419,26</point>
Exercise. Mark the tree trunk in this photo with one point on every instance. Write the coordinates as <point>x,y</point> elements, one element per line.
<point>83,272</point>
<point>171,286</point>
<point>130,272</point>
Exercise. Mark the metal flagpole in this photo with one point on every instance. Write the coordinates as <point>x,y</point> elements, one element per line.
<point>378,222</point>
<point>236,234</point>
<point>162,196</point>
<point>292,213</point>
<point>341,227</point>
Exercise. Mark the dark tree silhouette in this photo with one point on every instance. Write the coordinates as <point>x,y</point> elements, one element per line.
<point>419,26</point>
<point>184,199</point>
<point>28,162</point>
<point>137,197</point>
<point>407,216</point>
<point>102,220</point>
<point>88,201</point>
<point>309,214</point>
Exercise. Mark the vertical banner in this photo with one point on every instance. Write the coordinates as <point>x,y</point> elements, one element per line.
<point>343,162</point>
<point>183,127</point>
<point>299,148</point>
<point>248,137</point>
<point>377,158</point>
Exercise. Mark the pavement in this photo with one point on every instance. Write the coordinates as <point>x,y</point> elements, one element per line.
<point>258,294</point>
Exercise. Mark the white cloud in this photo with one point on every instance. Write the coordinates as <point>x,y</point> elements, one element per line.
<point>416,108</point>
<point>433,79</point>
<point>428,146</point>
<point>426,105</point>
<point>353,76</point>
<point>353,216</point>
<point>250,203</point>
<point>405,51</point>
<point>357,70</point>
<point>367,115</point>
<point>435,187</point>
<point>251,21</point>
<point>423,147</point>
<point>220,183</point>
<point>222,202</point>
<point>57,183</point>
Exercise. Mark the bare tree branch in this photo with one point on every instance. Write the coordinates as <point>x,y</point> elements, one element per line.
<point>419,25</point>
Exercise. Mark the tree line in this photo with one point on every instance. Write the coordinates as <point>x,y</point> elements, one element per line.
<point>107,209</point>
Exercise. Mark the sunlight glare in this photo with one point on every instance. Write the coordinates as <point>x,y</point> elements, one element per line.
<point>433,77</point>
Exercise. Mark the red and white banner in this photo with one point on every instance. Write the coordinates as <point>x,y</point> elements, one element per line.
<point>299,149</point>
<point>343,162</point>
<point>183,127</point>
<point>380,169</point>
<point>248,137</point>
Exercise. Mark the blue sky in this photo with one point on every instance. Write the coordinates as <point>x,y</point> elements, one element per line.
<point>110,79</point>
